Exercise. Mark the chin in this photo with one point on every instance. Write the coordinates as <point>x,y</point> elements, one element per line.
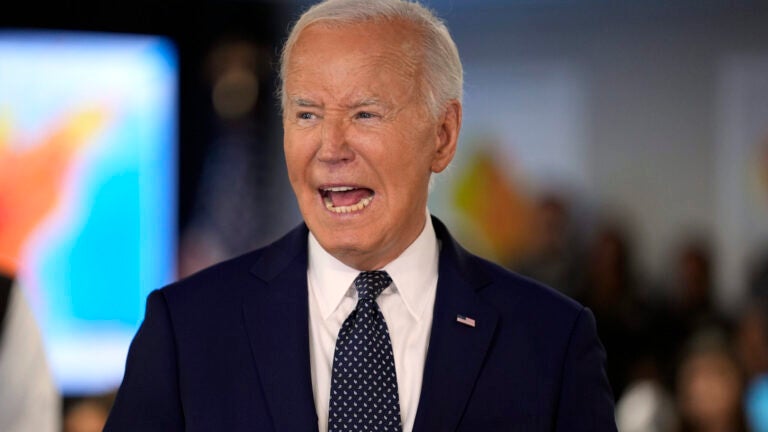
<point>345,243</point>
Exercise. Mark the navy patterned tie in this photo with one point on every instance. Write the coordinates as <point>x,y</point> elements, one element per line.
<point>363,384</point>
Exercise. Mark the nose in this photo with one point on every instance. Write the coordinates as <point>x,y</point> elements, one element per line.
<point>334,143</point>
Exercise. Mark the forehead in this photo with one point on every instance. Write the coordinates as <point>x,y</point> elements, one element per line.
<point>328,52</point>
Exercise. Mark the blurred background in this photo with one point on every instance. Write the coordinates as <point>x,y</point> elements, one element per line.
<point>617,151</point>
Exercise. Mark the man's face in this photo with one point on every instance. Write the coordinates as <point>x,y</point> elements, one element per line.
<point>360,143</point>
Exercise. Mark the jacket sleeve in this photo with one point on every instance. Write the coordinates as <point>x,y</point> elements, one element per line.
<point>586,401</point>
<point>148,398</point>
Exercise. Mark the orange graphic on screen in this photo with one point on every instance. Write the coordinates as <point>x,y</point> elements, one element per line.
<point>500,211</point>
<point>31,178</point>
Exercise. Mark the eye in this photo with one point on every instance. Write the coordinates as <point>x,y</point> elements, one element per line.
<point>365,115</point>
<point>305,116</point>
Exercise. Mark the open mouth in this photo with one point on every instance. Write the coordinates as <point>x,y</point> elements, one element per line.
<point>346,199</point>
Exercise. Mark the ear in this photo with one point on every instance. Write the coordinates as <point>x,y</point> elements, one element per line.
<point>447,136</point>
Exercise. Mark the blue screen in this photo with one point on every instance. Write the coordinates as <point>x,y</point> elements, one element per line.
<point>88,145</point>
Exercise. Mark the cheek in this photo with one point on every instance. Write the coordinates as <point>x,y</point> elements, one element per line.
<point>408,172</point>
<point>290,163</point>
<point>297,157</point>
<point>297,176</point>
<point>416,157</point>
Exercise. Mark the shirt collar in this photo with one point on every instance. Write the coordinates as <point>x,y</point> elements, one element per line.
<point>413,273</point>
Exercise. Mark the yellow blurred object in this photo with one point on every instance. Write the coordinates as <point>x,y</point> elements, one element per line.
<point>500,212</point>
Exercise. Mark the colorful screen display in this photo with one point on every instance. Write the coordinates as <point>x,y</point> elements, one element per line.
<point>88,155</point>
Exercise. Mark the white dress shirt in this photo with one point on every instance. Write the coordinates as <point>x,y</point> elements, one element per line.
<point>407,305</point>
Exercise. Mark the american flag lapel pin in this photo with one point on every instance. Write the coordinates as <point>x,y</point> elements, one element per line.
<point>465,320</point>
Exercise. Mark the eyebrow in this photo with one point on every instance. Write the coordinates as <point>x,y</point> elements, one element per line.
<point>308,103</point>
<point>299,101</point>
<point>368,102</point>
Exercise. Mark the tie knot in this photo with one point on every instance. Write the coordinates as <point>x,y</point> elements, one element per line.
<point>370,284</point>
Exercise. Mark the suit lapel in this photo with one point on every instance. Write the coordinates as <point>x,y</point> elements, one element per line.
<point>277,321</point>
<point>456,350</point>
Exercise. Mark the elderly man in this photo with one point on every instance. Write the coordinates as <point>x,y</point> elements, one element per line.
<point>368,316</point>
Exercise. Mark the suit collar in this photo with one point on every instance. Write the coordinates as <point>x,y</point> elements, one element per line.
<point>453,254</point>
<point>281,254</point>
<point>277,321</point>
<point>456,351</point>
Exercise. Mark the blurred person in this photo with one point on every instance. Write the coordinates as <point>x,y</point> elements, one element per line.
<point>710,385</point>
<point>751,337</point>
<point>694,306</point>
<point>29,398</point>
<point>690,307</point>
<point>272,340</point>
<point>553,258</point>
<point>758,274</point>
<point>625,321</point>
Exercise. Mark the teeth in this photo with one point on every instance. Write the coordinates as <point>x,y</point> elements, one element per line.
<point>363,203</point>
<point>339,189</point>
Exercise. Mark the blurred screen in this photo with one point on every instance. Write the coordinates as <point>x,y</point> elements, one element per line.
<point>88,140</point>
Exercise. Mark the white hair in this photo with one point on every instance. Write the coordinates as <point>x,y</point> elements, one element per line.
<point>443,73</point>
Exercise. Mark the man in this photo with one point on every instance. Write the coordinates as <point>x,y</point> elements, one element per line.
<point>369,316</point>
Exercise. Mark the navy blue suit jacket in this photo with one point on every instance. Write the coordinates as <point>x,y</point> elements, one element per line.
<point>228,350</point>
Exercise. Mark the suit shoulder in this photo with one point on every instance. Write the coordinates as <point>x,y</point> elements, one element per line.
<point>233,274</point>
<point>212,282</point>
<point>503,288</point>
